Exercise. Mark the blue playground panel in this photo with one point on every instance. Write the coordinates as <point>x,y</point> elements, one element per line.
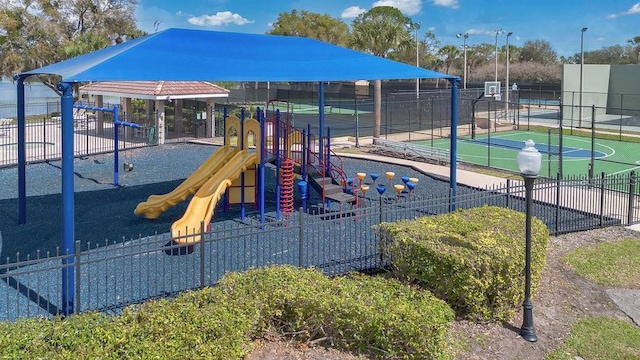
<point>567,151</point>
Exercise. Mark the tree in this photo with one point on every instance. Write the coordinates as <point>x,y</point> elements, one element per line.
<point>36,33</point>
<point>615,54</point>
<point>449,54</point>
<point>380,31</point>
<point>539,51</point>
<point>312,25</point>
<point>635,41</point>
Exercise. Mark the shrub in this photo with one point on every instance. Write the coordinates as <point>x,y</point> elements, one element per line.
<point>472,259</point>
<point>355,312</point>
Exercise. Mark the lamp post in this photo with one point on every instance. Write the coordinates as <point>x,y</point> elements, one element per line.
<point>464,49</point>
<point>529,163</point>
<point>581,64</point>
<point>497,32</point>
<point>416,26</point>
<point>506,86</point>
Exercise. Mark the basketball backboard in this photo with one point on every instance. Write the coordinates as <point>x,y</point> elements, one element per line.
<point>492,88</point>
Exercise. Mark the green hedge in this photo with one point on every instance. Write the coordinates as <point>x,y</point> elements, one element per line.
<point>357,312</point>
<point>472,259</point>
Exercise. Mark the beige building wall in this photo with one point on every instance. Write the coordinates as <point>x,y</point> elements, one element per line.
<point>624,89</point>
<point>613,89</point>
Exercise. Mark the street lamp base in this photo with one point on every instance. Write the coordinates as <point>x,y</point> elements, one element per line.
<point>527,331</point>
<point>528,334</point>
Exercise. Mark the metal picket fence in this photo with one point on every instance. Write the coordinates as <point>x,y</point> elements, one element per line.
<point>114,274</point>
<point>92,135</point>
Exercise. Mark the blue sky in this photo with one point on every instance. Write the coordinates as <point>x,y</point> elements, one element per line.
<point>557,21</point>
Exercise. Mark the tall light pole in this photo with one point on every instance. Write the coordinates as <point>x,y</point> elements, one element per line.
<point>506,86</point>
<point>416,26</point>
<point>529,162</point>
<point>581,64</point>
<point>497,32</point>
<point>464,49</point>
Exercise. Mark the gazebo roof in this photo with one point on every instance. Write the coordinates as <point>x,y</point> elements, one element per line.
<point>156,90</point>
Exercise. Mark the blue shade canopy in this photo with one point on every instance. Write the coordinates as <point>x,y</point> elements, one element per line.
<point>191,55</point>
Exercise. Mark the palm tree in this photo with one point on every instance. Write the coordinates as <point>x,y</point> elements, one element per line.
<point>380,31</point>
<point>635,41</point>
<point>450,53</point>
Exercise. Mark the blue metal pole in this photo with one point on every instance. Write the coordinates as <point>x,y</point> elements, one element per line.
<point>261,168</point>
<point>224,124</point>
<point>454,136</point>
<point>116,159</point>
<point>277,142</point>
<point>303,160</point>
<point>241,146</point>
<point>327,168</point>
<point>320,119</point>
<point>22,154</point>
<point>68,279</point>
<point>309,150</point>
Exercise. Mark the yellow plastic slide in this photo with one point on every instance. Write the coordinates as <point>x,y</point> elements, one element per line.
<point>157,204</point>
<point>187,229</point>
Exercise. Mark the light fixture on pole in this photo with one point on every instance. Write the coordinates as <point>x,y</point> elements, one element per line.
<point>464,49</point>
<point>497,32</point>
<point>506,85</point>
<point>581,64</point>
<point>529,162</point>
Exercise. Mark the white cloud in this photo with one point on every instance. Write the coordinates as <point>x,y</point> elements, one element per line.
<point>352,12</point>
<point>446,3</point>
<point>407,7</point>
<point>635,9</point>
<point>219,19</point>
<point>480,32</point>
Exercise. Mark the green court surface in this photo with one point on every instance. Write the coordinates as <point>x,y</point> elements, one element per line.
<point>311,109</point>
<point>611,157</point>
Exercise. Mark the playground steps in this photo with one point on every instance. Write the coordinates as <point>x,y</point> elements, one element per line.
<point>332,191</point>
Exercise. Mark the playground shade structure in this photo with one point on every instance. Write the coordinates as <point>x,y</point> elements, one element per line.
<point>157,204</point>
<point>203,203</point>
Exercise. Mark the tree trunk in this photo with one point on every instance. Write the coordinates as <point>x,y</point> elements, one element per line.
<point>377,107</point>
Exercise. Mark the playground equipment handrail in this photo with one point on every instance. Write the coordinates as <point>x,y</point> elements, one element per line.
<point>334,170</point>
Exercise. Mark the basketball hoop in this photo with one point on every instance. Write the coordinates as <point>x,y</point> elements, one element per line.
<point>492,89</point>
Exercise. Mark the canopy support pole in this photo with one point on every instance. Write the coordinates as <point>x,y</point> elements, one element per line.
<point>321,122</point>
<point>22,152</point>
<point>453,160</point>
<point>68,276</point>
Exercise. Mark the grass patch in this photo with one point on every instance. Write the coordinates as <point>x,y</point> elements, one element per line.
<point>600,338</point>
<point>609,263</point>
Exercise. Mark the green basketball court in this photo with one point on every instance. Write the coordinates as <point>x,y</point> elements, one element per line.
<point>499,150</point>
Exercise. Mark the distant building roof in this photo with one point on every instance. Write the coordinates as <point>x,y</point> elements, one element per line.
<point>156,90</point>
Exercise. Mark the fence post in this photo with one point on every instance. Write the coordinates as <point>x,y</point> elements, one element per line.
<point>632,188</point>
<point>593,134</point>
<point>300,238</point>
<point>202,254</point>
<point>76,266</point>
<point>557,222</point>
<point>508,192</point>
<point>380,212</point>
<point>86,135</point>
<point>602,180</point>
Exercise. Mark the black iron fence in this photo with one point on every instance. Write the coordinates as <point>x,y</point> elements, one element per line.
<point>111,275</point>
<point>93,132</point>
